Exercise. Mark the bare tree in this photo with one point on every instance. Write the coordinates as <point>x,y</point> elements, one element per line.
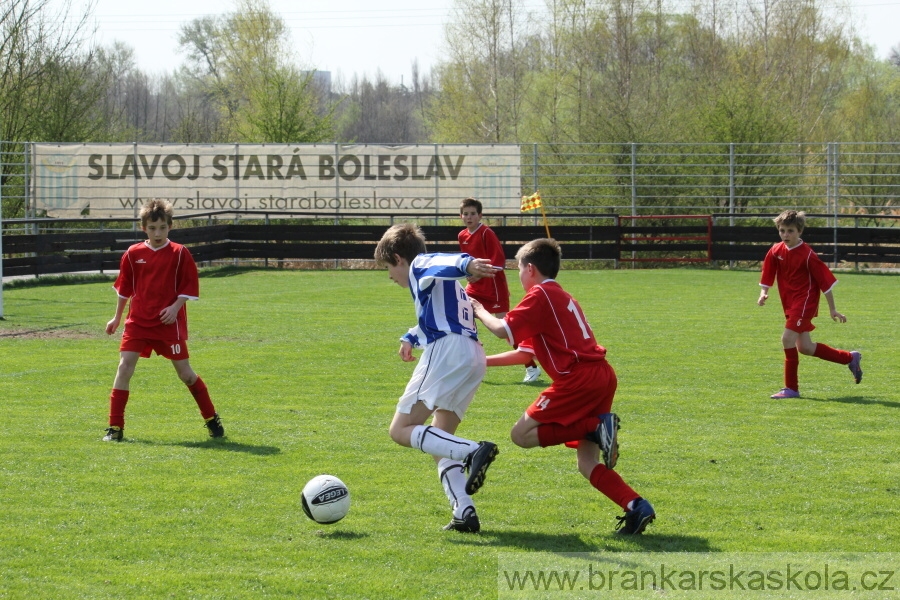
<point>40,41</point>
<point>482,84</point>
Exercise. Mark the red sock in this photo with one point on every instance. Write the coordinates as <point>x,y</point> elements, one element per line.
<point>611,485</point>
<point>791,366</point>
<point>201,395</point>
<point>830,354</point>
<point>117,401</point>
<point>552,434</point>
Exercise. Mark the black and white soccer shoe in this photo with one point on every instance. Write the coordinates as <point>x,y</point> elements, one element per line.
<point>477,463</point>
<point>467,524</point>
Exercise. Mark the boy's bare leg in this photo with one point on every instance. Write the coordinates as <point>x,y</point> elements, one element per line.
<point>127,363</point>
<point>524,433</point>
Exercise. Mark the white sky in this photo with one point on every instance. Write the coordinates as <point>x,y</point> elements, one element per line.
<point>350,37</point>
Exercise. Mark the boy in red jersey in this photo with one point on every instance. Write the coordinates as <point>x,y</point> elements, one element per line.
<point>159,276</point>
<point>575,409</point>
<point>480,241</point>
<point>801,275</point>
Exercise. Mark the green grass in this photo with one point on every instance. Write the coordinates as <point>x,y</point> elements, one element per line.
<point>303,369</point>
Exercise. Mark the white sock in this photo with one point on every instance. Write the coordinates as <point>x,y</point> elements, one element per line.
<point>438,442</point>
<point>453,478</point>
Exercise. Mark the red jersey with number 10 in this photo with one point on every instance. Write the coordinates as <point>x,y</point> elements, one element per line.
<point>154,280</point>
<point>801,275</point>
<point>559,333</point>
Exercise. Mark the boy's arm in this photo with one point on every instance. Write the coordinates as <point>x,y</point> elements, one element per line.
<point>835,315</point>
<point>405,351</point>
<point>113,323</point>
<point>169,314</point>
<point>513,357</point>
<point>763,295</point>
<point>492,323</point>
<point>495,249</point>
<point>449,266</point>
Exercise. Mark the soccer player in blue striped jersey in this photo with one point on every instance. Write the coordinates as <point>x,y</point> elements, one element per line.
<point>450,370</point>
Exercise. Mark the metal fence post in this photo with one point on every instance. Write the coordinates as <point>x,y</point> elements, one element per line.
<point>1,253</point>
<point>437,210</point>
<point>134,190</point>
<point>835,192</point>
<point>534,174</point>
<point>27,184</point>
<point>731,183</point>
<point>633,196</point>
<point>730,192</point>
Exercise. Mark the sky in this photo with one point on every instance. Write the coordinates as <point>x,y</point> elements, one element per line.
<point>359,37</point>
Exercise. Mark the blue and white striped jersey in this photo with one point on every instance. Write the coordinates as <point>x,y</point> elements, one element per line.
<point>442,305</point>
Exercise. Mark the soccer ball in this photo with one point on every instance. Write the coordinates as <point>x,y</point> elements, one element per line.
<point>325,499</point>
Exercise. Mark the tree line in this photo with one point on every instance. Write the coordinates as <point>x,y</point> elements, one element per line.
<point>573,71</point>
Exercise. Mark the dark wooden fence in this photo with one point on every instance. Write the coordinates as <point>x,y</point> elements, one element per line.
<point>655,244</point>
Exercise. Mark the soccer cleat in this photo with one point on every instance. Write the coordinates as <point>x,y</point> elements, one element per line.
<point>214,424</point>
<point>854,366</point>
<point>607,437</point>
<point>785,393</point>
<point>477,463</point>
<point>467,524</point>
<point>532,374</point>
<point>636,520</point>
<point>113,434</point>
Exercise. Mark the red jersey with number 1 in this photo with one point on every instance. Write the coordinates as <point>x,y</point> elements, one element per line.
<point>155,279</point>
<point>492,292</point>
<point>801,275</point>
<point>560,335</point>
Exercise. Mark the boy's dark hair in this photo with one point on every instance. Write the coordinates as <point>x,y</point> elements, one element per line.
<point>544,253</point>
<point>157,210</point>
<point>470,202</point>
<point>791,217</point>
<point>405,239</point>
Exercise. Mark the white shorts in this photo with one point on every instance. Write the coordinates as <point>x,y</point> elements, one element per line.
<point>447,376</point>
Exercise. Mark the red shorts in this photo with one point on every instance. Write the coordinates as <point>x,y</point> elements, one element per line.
<point>173,350</point>
<point>492,304</point>
<point>798,324</point>
<point>586,392</point>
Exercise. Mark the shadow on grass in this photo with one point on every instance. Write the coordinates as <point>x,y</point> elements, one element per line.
<point>518,382</point>
<point>651,542</point>
<point>527,540</point>
<point>341,535</point>
<point>855,400</point>
<point>568,542</point>
<point>221,445</point>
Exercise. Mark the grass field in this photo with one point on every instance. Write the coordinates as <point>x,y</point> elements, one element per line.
<point>303,369</point>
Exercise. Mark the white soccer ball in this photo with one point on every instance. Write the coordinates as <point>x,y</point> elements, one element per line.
<point>325,499</point>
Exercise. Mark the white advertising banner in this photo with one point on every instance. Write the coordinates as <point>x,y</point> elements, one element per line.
<point>114,180</point>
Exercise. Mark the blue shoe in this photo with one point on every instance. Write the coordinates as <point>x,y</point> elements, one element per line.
<point>636,520</point>
<point>785,393</point>
<point>854,366</point>
<point>607,437</point>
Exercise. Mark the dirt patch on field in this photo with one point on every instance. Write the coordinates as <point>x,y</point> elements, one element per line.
<point>49,333</point>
